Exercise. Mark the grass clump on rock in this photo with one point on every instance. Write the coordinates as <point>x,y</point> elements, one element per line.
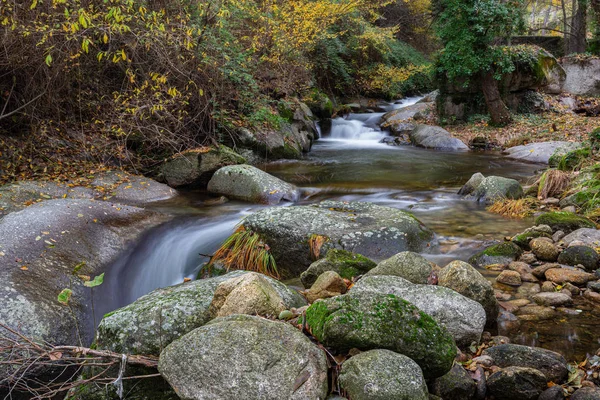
<point>246,250</point>
<point>520,208</point>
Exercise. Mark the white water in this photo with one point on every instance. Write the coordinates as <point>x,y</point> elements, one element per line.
<point>355,130</point>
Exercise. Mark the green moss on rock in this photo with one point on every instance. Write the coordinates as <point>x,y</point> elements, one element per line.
<point>573,159</point>
<point>564,221</point>
<point>346,263</point>
<point>502,253</point>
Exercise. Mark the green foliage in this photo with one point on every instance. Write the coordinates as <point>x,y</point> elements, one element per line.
<point>97,281</point>
<point>65,296</point>
<point>574,159</point>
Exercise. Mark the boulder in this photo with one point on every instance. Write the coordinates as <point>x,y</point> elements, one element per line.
<point>565,221</point>
<point>402,114</point>
<point>511,278</point>
<point>248,183</point>
<point>551,364</point>
<point>42,244</point>
<point>580,255</point>
<point>253,294</point>
<point>553,393</point>
<point>503,253</point>
<point>455,385</point>
<point>367,320</point>
<point>516,383</point>
<point>435,137</point>
<point>375,231</point>
<point>345,263</point>
<point>494,188</point>
<point>466,280</point>
<point>382,375</point>
<point>402,129</point>
<point>522,239</point>
<point>582,76</point>
<point>125,188</point>
<point>541,152</point>
<point>462,317</point>
<point>242,356</point>
<point>588,236</point>
<point>408,265</point>
<point>586,393</point>
<point>328,284</point>
<point>575,276</point>
<point>544,249</point>
<point>195,167</point>
<point>472,184</point>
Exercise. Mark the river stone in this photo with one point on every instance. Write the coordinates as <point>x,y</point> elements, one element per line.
<point>586,393</point>
<point>524,271</point>
<point>472,184</point>
<point>494,188</point>
<point>462,317</point>
<point>580,255</point>
<point>544,249</point>
<point>345,263</point>
<point>541,152</point>
<point>503,253</point>
<point>382,375</point>
<point>511,278</point>
<point>551,364</point>
<point>245,357</point>
<point>553,393</point>
<point>253,294</point>
<point>516,383</point>
<point>564,221</point>
<point>402,114</point>
<point>594,286</point>
<point>552,299</point>
<point>455,385</point>
<point>328,284</point>
<point>125,188</point>
<point>408,265</point>
<point>589,237</point>
<point>248,183</point>
<point>367,320</point>
<point>466,280</point>
<point>153,321</point>
<point>575,276</point>
<point>374,231</point>
<point>435,137</point>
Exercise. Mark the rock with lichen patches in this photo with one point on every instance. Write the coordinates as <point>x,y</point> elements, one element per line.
<point>345,263</point>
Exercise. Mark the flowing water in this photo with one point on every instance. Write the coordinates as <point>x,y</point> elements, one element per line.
<point>348,163</point>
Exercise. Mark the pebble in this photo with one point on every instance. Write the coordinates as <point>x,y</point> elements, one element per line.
<point>558,235</point>
<point>528,258</point>
<point>570,209</point>
<point>547,286</point>
<point>594,296</point>
<point>544,249</point>
<point>540,271</point>
<point>511,278</point>
<point>553,299</point>
<point>572,275</point>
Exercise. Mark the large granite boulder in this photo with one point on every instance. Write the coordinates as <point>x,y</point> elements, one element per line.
<point>462,317</point>
<point>368,320</point>
<point>588,236</point>
<point>383,375</point>
<point>541,152</point>
<point>408,265</point>
<point>466,280</point>
<point>374,231</point>
<point>248,183</point>
<point>245,357</point>
<point>435,137</point>
<point>583,76</point>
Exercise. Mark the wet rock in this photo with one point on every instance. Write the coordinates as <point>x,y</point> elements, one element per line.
<point>402,114</point>
<point>472,184</point>
<point>586,393</point>
<point>551,364</point>
<point>588,236</point>
<point>516,383</point>
<point>386,322</point>
<point>408,265</point>
<point>522,239</point>
<point>547,287</point>
<point>594,286</point>
<point>466,280</point>
<point>511,278</point>
<point>540,272</point>
<point>435,137</point>
<point>494,188</point>
<point>574,290</point>
<point>536,313</point>
<point>553,393</point>
<point>528,289</point>
<point>242,356</point>
<point>402,129</point>
<point>575,276</point>
<point>503,253</point>
<point>528,258</point>
<point>565,221</point>
<point>345,263</point>
<point>382,374</point>
<point>554,299</point>
<point>455,385</point>
<point>374,231</point>
<point>328,284</point>
<point>524,270</point>
<point>253,294</point>
<point>557,236</point>
<point>544,249</point>
<point>248,183</point>
<point>462,317</point>
<point>541,152</point>
<point>580,255</point>
<point>591,295</point>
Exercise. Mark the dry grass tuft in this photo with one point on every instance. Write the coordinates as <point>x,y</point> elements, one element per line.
<point>553,183</point>
<point>246,250</point>
<point>515,208</point>
<point>315,242</point>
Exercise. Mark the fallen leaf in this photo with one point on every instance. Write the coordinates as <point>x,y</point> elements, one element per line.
<point>24,268</point>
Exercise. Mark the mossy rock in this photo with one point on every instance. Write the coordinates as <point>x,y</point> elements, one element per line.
<point>584,255</point>
<point>522,239</point>
<point>367,320</point>
<point>502,253</point>
<point>345,263</point>
<point>320,104</point>
<point>573,159</point>
<point>564,221</point>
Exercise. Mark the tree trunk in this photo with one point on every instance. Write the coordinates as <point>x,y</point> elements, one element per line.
<point>496,107</point>
<point>577,40</point>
